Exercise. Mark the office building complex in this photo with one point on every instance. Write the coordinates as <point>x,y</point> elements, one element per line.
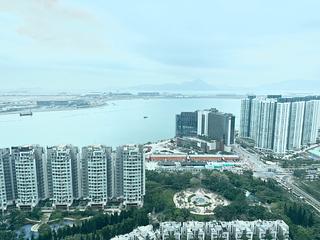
<point>186,124</point>
<point>210,123</point>
<point>97,174</point>
<point>280,124</point>
<point>221,126</point>
<point>203,122</point>
<point>29,175</point>
<point>130,175</point>
<point>63,174</point>
<point>6,181</point>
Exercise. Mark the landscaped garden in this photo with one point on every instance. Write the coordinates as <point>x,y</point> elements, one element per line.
<point>199,201</point>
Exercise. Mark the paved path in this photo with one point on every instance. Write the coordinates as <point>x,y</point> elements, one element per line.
<point>45,218</point>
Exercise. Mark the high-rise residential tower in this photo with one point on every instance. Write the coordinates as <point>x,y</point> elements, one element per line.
<point>6,180</point>
<point>63,174</point>
<point>311,121</point>
<point>281,124</point>
<point>245,118</point>
<point>28,175</point>
<point>130,185</point>
<point>296,125</point>
<point>281,127</point>
<point>262,122</point>
<point>97,174</point>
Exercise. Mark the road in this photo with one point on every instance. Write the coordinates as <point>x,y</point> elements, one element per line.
<point>281,175</point>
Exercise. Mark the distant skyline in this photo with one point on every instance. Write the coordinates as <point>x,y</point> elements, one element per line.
<point>77,45</point>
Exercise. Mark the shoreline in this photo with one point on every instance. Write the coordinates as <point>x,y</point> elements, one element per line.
<point>107,102</point>
<point>37,110</point>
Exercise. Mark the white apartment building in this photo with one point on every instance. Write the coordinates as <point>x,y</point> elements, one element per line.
<point>235,230</point>
<point>265,228</point>
<point>280,124</point>
<point>6,184</point>
<point>213,230</point>
<point>28,175</point>
<point>63,174</point>
<point>194,230</point>
<point>131,185</point>
<point>96,170</point>
<point>245,116</point>
<point>3,192</point>
<point>281,128</point>
<point>262,122</point>
<point>282,229</point>
<point>312,122</point>
<point>242,229</point>
<point>217,230</point>
<point>140,233</point>
<point>296,125</point>
<point>170,229</point>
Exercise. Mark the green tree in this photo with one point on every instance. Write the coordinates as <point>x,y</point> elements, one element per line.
<point>7,235</point>
<point>45,232</point>
<point>22,235</point>
<point>195,182</point>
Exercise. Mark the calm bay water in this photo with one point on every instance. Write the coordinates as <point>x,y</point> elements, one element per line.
<point>120,122</point>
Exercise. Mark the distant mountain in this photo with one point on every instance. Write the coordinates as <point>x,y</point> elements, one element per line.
<point>285,87</point>
<point>194,85</point>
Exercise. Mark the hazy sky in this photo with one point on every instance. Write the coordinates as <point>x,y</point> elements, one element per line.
<point>102,45</point>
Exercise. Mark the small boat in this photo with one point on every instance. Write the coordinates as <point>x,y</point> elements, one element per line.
<point>23,114</point>
<point>145,117</point>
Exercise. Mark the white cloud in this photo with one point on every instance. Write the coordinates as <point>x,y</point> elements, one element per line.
<point>101,43</point>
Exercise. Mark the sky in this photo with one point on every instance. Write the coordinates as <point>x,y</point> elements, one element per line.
<point>100,45</point>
